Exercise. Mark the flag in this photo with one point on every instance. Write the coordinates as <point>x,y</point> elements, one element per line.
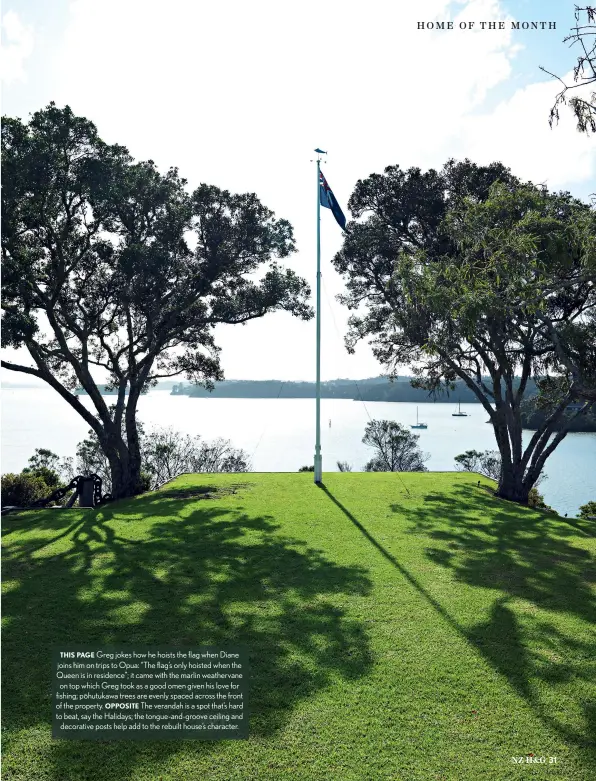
<point>328,200</point>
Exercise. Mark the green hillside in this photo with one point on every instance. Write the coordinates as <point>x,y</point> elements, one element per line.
<point>400,626</point>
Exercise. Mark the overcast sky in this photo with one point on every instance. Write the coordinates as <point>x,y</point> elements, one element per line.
<point>238,93</point>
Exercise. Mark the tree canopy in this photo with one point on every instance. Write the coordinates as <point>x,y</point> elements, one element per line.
<point>110,265</point>
<point>396,449</point>
<point>467,272</point>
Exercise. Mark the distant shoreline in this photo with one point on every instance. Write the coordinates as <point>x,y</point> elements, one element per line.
<point>368,389</point>
<point>377,389</point>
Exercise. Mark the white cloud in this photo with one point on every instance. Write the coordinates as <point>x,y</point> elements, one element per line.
<point>517,133</point>
<point>221,88</point>
<point>238,93</point>
<point>17,45</point>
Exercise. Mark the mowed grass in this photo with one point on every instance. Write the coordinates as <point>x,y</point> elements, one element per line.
<point>400,627</point>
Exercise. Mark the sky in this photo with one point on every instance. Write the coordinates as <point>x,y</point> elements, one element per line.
<point>238,94</point>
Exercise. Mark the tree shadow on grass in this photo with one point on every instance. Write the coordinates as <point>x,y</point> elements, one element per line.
<point>203,575</point>
<point>64,522</point>
<point>494,544</point>
<point>212,491</point>
<point>527,556</point>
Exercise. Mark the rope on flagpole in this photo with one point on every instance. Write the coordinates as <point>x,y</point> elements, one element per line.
<point>341,340</point>
<point>266,423</point>
<point>399,477</point>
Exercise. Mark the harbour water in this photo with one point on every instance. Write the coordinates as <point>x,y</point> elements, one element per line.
<point>278,434</point>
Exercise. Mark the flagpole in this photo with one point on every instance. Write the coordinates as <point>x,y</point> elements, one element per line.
<point>318,456</point>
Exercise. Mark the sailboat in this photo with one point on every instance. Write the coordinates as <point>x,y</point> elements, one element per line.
<point>418,425</point>
<point>459,413</point>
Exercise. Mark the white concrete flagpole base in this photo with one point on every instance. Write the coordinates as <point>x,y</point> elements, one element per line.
<point>318,468</point>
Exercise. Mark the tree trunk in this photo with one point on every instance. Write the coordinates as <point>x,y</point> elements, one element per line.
<point>512,485</point>
<point>520,472</point>
<point>125,481</point>
<point>126,478</point>
<point>125,472</point>
<point>132,436</point>
<point>508,434</point>
<point>122,447</point>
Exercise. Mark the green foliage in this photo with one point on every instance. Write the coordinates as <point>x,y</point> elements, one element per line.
<point>370,389</point>
<point>487,463</point>
<point>536,409</point>
<point>165,453</point>
<point>524,275</point>
<point>536,501</point>
<point>146,482</point>
<point>44,459</point>
<point>49,476</point>
<point>588,510</point>
<point>127,270</point>
<point>91,460</point>
<point>396,448</point>
<point>46,465</point>
<point>306,469</point>
<point>21,490</point>
<point>467,272</point>
<point>42,477</point>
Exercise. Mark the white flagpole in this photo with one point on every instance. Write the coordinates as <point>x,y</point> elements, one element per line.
<point>318,456</point>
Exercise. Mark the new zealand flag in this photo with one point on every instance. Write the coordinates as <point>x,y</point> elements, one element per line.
<point>329,201</point>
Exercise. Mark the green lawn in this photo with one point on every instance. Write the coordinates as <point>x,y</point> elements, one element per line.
<point>400,627</point>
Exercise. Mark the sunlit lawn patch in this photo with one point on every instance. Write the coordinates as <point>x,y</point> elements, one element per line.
<point>403,626</point>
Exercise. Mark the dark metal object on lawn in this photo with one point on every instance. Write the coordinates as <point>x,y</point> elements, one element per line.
<point>86,488</point>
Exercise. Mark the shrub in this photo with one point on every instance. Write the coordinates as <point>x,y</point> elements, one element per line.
<point>49,476</point>
<point>23,489</point>
<point>487,463</point>
<point>306,469</point>
<point>588,510</point>
<point>145,482</point>
<point>536,501</point>
<point>47,465</point>
<point>165,453</point>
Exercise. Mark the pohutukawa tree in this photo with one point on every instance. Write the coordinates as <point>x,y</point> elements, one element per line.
<point>110,265</point>
<point>469,274</point>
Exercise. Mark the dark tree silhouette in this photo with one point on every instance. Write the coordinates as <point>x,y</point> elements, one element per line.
<point>110,265</point>
<point>466,272</point>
